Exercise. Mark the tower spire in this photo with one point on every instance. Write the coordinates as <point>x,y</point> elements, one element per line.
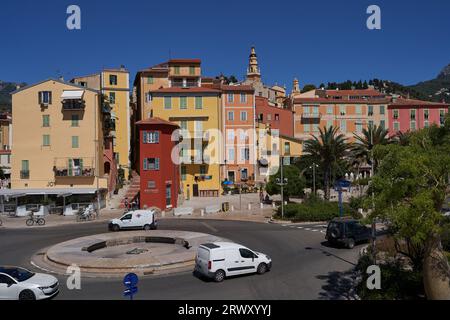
<point>253,71</point>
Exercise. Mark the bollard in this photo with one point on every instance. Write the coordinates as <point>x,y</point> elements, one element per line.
<point>163,213</point>
<point>249,206</point>
<point>261,205</point>
<point>273,205</point>
<point>202,212</point>
<point>232,208</point>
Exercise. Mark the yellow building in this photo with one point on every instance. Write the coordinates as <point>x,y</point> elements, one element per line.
<point>59,140</point>
<point>114,84</point>
<point>196,110</point>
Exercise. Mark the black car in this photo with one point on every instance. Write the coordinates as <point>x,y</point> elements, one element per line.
<point>347,231</point>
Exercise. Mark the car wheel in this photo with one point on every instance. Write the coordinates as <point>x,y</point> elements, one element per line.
<point>219,276</point>
<point>115,227</point>
<point>262,268</point>
<point>335,233</point>
<point>27,295</point>
<point>350,243</point>
<point>147,227</point>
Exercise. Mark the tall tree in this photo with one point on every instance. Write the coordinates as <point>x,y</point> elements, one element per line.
<point>329,150</point>
<point>410,188</point>
<point>295,182</point>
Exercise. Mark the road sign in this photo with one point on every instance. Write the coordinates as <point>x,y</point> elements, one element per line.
<point>130,281</point>
<point>130,292</point>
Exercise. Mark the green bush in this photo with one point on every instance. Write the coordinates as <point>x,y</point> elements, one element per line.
<point>396,282</point>
<point>313,209</point>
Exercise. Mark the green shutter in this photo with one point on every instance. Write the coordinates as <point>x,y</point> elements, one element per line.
<point>70,166</point>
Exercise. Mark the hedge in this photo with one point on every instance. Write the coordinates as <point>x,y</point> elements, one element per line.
<point>314,211</point>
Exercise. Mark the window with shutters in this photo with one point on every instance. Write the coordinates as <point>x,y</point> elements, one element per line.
<point>151,137</point>
<point>45,97</point>
<point>151,164</point>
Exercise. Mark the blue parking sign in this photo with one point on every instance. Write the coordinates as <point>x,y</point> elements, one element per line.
<point>130,281</point>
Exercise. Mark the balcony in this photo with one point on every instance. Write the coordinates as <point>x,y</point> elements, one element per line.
<point>74,172</point>
<point>74,167</point>
<point>24,174</point>
<point>69,105</point>
<point>309,115</point>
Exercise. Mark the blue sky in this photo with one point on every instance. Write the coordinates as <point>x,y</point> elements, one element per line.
<point>316,41</point>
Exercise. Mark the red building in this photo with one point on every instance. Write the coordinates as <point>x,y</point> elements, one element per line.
<point>275,117</point>
<point>159,175</point>
<point>409,115</point>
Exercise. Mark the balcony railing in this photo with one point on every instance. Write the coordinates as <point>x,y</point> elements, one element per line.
<point>73,105</point>
<point>309,115</point>
<point>24,174</point>
<point>74,167</point>
<point>74,172</point>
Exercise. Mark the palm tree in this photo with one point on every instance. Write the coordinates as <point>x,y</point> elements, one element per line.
<point>402,138</point>
<point>329,150</point>
<point>362,148</point>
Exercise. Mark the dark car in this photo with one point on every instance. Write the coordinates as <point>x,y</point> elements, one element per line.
<point>347,232</point>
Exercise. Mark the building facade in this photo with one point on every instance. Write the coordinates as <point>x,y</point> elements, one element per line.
<point>239,137</point>
<point>59,132</point>
<point>158,170</point>
<point>114,85</point>
<point>410,115</point>
<point>5,148</point>
<point>349,110</point>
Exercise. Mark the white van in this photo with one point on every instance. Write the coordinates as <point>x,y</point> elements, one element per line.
<point>222,259</point>
<point>137,219</point>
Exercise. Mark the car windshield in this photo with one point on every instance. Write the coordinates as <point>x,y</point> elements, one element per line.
<point>19,274</point>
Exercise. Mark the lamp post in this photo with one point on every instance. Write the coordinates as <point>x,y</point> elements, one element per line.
<point>282,182</point>
<point>314,166</point>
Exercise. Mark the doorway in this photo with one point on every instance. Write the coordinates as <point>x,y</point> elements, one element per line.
<point>195,190</point>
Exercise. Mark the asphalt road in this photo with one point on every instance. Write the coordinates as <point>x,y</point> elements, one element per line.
<point>304,267</point>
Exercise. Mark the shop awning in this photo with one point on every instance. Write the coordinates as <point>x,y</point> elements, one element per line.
<point>48,191</point>
<point>72,94</point>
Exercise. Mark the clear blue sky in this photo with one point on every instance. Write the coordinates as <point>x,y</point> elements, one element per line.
<point>316,41</point>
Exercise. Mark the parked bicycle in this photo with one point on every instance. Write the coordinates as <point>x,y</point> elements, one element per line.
<point>35,220</point>
<point>86,214</point>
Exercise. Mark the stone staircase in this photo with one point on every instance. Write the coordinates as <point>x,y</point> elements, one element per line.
<point>133,189</point>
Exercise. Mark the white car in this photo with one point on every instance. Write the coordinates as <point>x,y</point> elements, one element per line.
<point>138,219</point>
<point>21,284</point>
<point>222,259</point>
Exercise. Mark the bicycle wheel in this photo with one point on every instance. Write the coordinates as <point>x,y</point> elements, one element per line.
<point>40,221</point>
<point>30,222</point>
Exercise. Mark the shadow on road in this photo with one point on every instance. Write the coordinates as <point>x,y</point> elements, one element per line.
<point>339,285</point>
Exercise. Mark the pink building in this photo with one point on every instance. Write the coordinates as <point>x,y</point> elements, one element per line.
<point>410,115</point>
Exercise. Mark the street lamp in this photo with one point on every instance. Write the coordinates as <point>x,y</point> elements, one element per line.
<point>314,166</point>
<point>282,182</point>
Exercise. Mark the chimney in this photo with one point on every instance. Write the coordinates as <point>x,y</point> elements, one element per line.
<point>122,67</point>
<point>17,86</point>
<point>61,78</point>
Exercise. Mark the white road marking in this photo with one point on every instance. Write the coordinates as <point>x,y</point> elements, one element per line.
<point>209,227</point>
<point>309,229</point>
<point>46,270</point>
<point>299,227</point>
<point>314,230</point>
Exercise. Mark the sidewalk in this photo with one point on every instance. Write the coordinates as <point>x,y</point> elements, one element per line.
<point>57,220</point>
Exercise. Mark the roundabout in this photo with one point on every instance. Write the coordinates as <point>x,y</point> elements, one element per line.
<point>113,254</point>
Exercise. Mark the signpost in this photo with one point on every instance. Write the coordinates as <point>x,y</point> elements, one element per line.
<point>339,185</point>
<point>130,281</point>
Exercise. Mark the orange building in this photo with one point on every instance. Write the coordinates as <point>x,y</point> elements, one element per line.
<point>350,110</point>
<point>238,107</point>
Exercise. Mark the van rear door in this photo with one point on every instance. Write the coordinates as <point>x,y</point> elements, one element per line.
<point>201,263</point>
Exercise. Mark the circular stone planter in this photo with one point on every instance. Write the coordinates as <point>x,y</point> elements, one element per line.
<point>141,252</point>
